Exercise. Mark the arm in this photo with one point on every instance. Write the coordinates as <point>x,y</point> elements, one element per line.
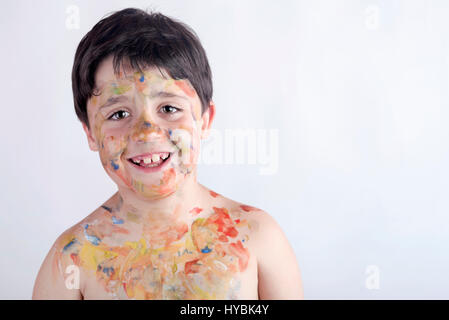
<point>278,270</point>
<point>52,282</point>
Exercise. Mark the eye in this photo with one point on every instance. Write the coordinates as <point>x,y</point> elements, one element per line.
<point>121,114</point>
<point>169,109</point>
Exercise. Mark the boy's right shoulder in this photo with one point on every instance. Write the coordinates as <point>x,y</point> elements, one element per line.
<point>61,262</point>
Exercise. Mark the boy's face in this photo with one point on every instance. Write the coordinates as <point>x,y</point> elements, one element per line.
<point>136,117</point>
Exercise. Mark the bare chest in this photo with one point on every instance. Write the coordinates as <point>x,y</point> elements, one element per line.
<point>210,259</point>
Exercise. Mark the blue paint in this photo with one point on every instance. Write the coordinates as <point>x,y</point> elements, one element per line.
<point>107,208</point>
<point>147,124</point>
<point>206,249</point>
<point>108,271</point>
<point>92,239</point>
<point>116,221</point>
<point>142,78</point>
<point>114,165</point>
<point>68,245</point>
<point>169,132</point>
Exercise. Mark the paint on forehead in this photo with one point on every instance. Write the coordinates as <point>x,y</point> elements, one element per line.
<point>185,86</point>
<point>118,89</point>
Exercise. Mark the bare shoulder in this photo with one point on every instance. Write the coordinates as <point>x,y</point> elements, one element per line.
<point>59,276</point>
<point>258,222</point>
<point>279,275</point>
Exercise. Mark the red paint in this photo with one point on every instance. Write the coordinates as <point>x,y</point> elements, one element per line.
<point>184,86</point>
<point>223,238</point>
<point>124,287</point>
<point>237,220</point>
<point>241,253</point>
<point>191,267</point>
<point>196,210</point>
<point>224,222</point>
<point>248,208</point>
<point>118,229</point>
<point>75,259</point>
<point>213,194</point>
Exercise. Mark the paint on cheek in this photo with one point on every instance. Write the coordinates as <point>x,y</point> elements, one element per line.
<point>114,165</point>
<point>183,141</point>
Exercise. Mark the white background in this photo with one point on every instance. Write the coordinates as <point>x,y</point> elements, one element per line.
<point>357,89</point>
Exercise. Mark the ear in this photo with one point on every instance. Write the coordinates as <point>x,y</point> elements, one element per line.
<point>92,143</point>
<point>207,118</point>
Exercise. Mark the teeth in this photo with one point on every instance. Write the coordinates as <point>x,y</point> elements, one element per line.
<point>153,158</point>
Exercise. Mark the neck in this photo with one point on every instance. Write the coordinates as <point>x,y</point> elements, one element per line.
<point>174,207</point>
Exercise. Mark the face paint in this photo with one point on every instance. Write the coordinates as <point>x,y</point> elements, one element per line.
<point>146,129</point>
<point>169,261</point>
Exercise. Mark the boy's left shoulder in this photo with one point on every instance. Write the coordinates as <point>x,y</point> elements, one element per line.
<point>260,223</point>
<point>278,271</point>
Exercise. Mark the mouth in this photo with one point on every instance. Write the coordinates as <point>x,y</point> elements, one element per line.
<point>150,162</point>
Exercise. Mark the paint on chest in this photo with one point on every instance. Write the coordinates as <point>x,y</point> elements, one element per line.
<point>204,262</point>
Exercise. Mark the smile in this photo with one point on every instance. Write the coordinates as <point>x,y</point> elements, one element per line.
<point>150,162</point>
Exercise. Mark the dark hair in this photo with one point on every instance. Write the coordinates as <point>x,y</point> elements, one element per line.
<point>145,40</point>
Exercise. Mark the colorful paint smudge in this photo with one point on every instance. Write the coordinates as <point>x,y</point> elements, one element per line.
<point>202,261</point>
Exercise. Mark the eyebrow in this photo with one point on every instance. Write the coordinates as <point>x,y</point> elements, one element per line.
<point>165,94</point>
<point>121,98</point>
<point>113,100</point>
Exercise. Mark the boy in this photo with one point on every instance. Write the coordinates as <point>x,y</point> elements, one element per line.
<point>143,92</point>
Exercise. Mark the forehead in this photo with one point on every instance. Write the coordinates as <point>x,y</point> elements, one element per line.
<point>105,75</point>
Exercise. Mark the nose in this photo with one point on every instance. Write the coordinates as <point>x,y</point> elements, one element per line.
<point>146,130</point>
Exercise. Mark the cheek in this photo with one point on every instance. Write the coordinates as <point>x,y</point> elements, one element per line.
<point>112,146</point>
<point>187,142</point>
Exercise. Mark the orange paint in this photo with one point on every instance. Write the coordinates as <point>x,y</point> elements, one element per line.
<point>224,222</point>
<point>75,259</point>
<point>248,208</point>
<point>213,194</point>
<point>242,253</point>
<point>168,181</point>
<point>186,87</point>
<point>196,210</point>
<point>191,266</point>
